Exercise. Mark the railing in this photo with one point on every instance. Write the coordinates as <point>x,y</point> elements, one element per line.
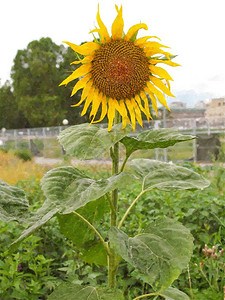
<point>43,141</point>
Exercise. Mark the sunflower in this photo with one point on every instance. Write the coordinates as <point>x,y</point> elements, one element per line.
<point>119,73</point>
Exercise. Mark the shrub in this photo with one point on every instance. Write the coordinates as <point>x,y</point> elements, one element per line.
<point>24,154</point>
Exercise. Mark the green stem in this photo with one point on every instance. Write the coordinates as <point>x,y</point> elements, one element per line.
<point>129,209</point>
<point>94,229</point>
<point>148,295</point>
<point>112,257</point>
<point>124,163</point>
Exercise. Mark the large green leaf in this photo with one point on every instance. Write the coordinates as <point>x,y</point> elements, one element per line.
<point>150,139</point>
<point>43,215</point>
<point>174,294</point>
<point>13,204</point>
<point>69,189</point>
<point>76,229</point>
<point>166,176</point>
<point>94,252</point>
<point>87,142</point>
<point>72,291</point>
<point>83,237</point>
<point>161,252</point>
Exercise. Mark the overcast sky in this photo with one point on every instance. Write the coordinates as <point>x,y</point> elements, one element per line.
<point>194,29</point>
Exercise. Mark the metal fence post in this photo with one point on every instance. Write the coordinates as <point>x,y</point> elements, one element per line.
<point>29,141</point>
<point>44,140</point>
<point>194,141</point>
<point>15,138</point>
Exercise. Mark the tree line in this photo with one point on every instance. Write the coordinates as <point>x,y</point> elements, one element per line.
<point>34,98</point>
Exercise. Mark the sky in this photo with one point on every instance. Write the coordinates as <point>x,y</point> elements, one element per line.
<point>194,29</point>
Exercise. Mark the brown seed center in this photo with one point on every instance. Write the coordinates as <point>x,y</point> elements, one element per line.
<point>120,69</point>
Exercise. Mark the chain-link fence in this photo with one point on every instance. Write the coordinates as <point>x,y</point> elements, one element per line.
<point>209,145</point>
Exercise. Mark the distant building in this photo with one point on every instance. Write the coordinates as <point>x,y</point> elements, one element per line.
<point>177,104</point>
<point>215,108</point>
<point>182,117</point>
<point>200,104</point>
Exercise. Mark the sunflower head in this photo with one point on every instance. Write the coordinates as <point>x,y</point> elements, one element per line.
<point>120,73</point>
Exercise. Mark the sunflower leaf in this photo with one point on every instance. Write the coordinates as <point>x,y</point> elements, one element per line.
<point>88,142</point>
<point>94,252</point>
<point>161,252</point>
<point>72,291</point>
<point>174,294</point>
<point>76,229</point>
<point>68,188</point>
<point>151,139</point>
<point>13,204</point>
<point>43,215</point>
<point>166,176</point>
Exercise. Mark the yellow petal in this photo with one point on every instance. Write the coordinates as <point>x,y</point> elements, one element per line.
<point>88,101</point>
<point>86,49</point>
<point>150,45</point>
<point>85,93</point>
<point>131,112</point>
<point>117,26</point>
<point>137,112</point>
<point>154,102</point>
<point>111,112</point>
<point>87,59</point>
<point>159,84</point>
<point>81,71</point>
<point>104,108</point>
<point>153,51</point>
<point>103,32</point>
<point>123,111</point>
<point>141,41</point>
<point>95,105</point>
<point>158,94</point>
<point>168,84</point>
<point>138,100</point>
<point>145,99</point>
<point>81,84</point>
<point>133,30</point>
<point>167,62</point>
<point>160,72</point>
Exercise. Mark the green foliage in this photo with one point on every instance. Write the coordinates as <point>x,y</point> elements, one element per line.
<point>68,182</point>
<point>174,294</point>
<point>24,275</point>
<point>13,203</point>
<point>85,142</point>
<point>36,74</point>
<point>11,117</point>
<point>166,176</point>
<point>151,139</point>
<point>24,154</point>
<point>92,251</point>
<point>74,292</point>
<point>158,251</point>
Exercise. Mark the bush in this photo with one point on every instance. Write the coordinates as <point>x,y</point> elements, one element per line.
<point>24,154</point>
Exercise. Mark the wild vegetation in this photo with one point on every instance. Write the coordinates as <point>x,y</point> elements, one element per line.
<point>45,259</point>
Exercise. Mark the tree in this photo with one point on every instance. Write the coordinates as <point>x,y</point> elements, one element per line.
<point>36,74</point>
<point>11,117</point>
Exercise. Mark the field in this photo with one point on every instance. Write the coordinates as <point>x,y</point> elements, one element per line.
<point>46,258</point>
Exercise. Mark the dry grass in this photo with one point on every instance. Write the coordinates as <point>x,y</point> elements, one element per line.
<point>13,169</point>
